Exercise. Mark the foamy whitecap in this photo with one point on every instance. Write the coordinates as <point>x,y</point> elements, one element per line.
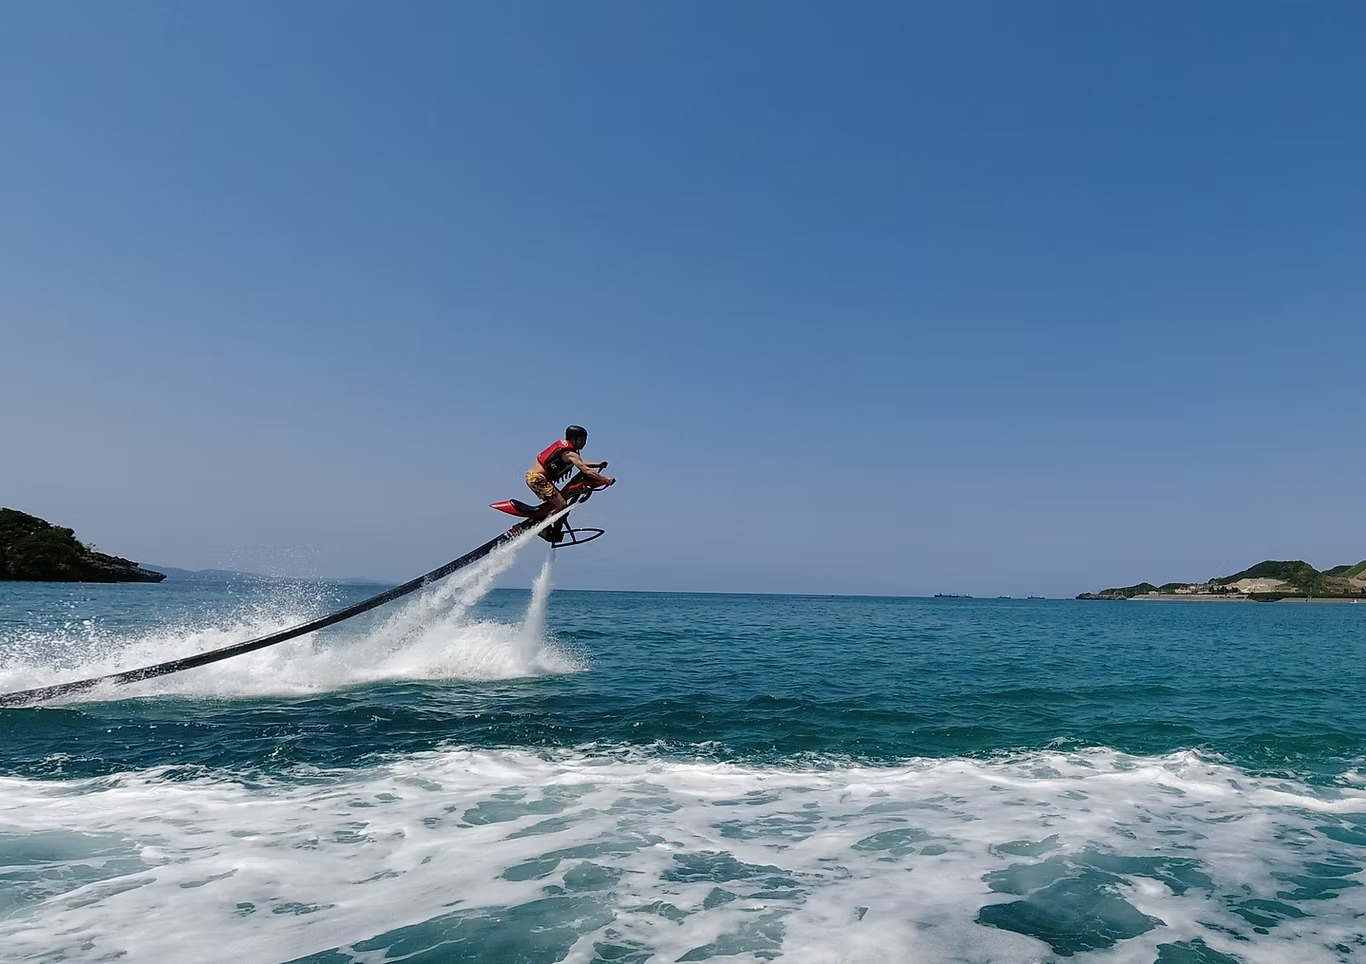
<point>580,855</point>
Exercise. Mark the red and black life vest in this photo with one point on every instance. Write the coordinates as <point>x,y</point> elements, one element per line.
<point>552,460</point>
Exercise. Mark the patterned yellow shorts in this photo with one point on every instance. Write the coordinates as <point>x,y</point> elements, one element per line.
<point>538,483</point>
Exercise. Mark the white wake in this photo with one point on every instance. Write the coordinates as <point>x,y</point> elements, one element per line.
<point>431,635</point>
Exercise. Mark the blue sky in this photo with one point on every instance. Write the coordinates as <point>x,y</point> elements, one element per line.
<point>887,298</point>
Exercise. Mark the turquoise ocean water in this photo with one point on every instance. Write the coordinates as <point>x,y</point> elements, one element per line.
<point>480,774</point>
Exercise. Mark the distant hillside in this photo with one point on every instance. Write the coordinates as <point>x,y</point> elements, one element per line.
<point>1296,574</point>
<point>1303,578</point>
<point>32,549</point>
<point>174,574</point>
<point>1270,569</point>
<point>1123,592</point>
<point>1271,579</point>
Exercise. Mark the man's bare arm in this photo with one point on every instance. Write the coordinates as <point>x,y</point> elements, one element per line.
<point>586,468</point>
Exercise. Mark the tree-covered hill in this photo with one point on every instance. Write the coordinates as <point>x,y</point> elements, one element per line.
<point>1278,579</point>
<point>35,550</point>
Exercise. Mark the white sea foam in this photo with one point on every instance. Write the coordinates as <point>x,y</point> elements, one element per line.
<point>687,860</point>
<point>430,635</point>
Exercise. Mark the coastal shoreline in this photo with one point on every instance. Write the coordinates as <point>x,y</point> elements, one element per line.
<point>1190,597</point>
<point>1271,580</point>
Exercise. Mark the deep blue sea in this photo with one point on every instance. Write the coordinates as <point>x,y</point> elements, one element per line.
<point>494,775</point>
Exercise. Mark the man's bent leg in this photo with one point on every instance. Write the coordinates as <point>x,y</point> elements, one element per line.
<point>545,490</point>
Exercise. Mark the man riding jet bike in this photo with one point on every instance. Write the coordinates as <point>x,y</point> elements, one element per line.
<point>551,466</point>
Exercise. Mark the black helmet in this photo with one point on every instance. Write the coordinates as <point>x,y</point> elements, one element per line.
<point>576,432</point>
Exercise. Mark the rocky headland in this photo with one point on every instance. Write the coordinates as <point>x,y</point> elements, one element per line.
<point>34,550</point>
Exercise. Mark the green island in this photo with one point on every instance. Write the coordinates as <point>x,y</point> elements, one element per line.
<point>34,550</point>
<point>1269,581</point>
